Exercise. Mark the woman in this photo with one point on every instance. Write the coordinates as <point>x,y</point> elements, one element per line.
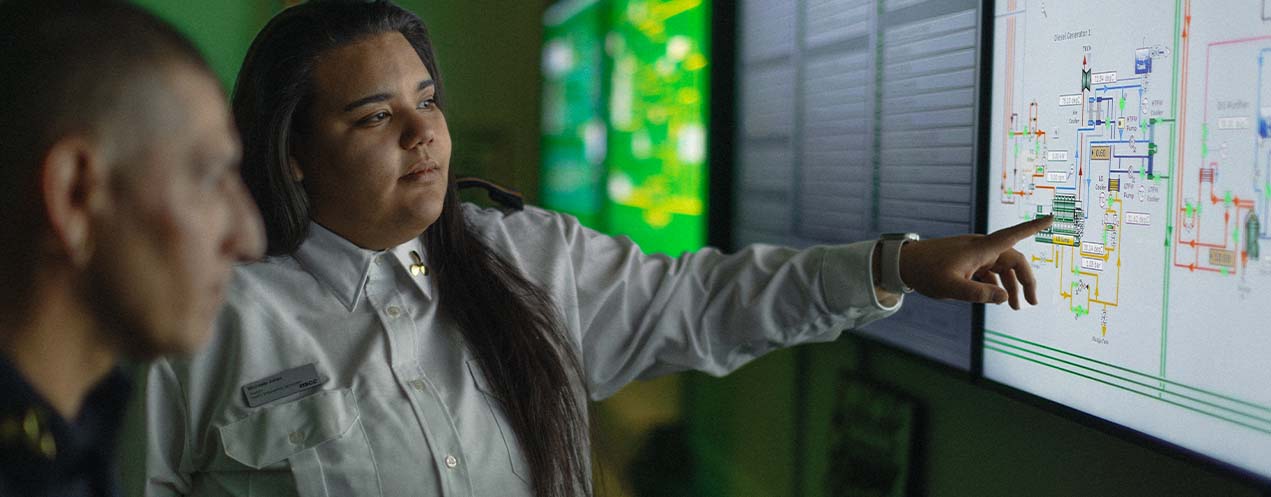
<point>400,343</point>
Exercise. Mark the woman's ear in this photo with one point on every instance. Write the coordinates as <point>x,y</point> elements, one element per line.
<point>297,174</point>
<point>72,181</point>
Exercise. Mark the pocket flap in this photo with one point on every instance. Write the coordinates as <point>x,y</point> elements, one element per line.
<point>478,377</point>
<point>277,432</point>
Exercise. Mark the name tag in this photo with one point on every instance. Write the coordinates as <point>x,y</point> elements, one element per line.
<point>294,380</point>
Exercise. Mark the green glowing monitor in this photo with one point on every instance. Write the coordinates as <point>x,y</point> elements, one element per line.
<point>658,98</point>
<point>574,127</point>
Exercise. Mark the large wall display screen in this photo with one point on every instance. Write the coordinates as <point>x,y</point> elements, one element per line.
<point>1142,127</point>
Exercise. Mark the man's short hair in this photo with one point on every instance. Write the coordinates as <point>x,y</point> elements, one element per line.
<point>65,68</point>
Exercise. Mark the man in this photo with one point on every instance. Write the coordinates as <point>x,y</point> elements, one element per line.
<point>123,212</point>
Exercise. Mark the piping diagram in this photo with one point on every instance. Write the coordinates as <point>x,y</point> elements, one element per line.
<point>1144,128</point>
<point>1135,143</point>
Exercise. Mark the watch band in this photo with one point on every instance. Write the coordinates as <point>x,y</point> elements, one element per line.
<point>889,266</point>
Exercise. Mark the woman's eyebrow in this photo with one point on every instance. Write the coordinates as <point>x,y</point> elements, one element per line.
<point>380,97</point>
<point>370,99</point>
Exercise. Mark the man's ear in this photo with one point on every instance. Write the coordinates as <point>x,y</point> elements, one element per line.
<point>297,174</point>
<point>72,181</point>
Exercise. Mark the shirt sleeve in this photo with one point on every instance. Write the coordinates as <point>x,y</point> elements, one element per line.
<point>642,316</point>
<point>167,445</point>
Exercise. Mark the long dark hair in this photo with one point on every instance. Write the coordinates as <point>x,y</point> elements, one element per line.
<point>509,323</point>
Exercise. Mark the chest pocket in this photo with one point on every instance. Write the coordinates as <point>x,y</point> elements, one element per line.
<point>515,458</point>
<point>319,438</point>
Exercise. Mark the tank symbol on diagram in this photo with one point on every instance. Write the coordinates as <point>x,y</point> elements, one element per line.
<point>1252,230</point>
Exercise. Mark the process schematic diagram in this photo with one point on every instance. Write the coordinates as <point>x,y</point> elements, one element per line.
<point>1144,128</point>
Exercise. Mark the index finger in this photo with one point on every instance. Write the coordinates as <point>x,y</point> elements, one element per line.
<point>1007,237</point>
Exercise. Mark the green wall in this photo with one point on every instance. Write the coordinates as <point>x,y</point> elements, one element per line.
<point>488,53</point>
<point>223,29</point>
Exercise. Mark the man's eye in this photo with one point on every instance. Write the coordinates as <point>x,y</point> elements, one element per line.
<point>428,103</point>
<point>212,176</point>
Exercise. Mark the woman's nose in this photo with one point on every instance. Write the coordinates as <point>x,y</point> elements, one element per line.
<point>416,131</point>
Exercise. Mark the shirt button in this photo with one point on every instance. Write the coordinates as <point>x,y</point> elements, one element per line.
<point>451,462</point>
<point>296,437</point>
<point>394,311</point>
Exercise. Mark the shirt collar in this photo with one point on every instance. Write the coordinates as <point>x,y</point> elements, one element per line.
<point>344,267</point>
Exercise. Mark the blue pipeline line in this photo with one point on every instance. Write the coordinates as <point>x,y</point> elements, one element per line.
<point>1086,129</point>
<point>1106,88</point>
<point>1266,203</point>
<point>1258,105</point>
<point>1127,170</point>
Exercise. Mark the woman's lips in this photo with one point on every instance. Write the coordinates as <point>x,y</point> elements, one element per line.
<point>426,173</point>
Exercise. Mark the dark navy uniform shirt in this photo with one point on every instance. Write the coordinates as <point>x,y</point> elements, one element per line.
<point>44,455</point>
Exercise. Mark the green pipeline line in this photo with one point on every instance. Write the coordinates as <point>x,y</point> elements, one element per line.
<point>1158,397</point>
<point>1001,335</point>
<point>1169,197</point>
<point>1138,383</point>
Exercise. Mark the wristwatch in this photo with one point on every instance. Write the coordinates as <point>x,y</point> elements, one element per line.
<point>889,266</point>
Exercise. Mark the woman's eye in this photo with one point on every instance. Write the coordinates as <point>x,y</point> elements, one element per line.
<point>374,118</point>
<point>428,104</point>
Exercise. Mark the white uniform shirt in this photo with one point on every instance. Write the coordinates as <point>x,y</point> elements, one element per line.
<point>403,409</point>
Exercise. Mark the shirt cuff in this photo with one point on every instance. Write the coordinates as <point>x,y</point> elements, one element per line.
<point>847,278</point>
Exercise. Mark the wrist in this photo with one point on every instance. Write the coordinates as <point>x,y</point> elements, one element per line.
<point>890,247</point>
